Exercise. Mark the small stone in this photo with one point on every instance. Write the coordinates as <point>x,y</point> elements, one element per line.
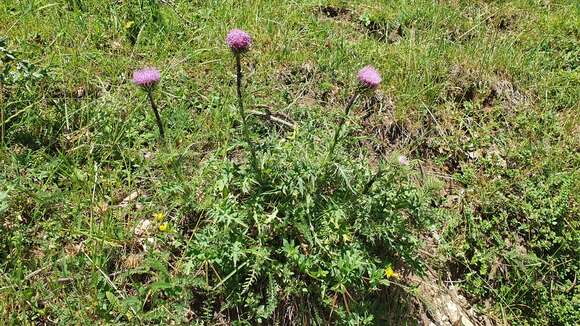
<point>142,227</point>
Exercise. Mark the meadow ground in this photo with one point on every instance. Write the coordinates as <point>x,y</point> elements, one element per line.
<point>101,222</point>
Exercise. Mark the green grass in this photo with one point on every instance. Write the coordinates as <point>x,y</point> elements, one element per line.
<point>482,96</point>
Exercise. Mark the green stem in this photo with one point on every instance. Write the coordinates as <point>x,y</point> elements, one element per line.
<point>341,124</point>
<point>239,77</point>
<point>2,113</point>
<point>156,112</point>
<point>2,118</point>
<point>372,180</point>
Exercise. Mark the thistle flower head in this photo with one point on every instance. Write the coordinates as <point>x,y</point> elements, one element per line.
<point>403,160</point>
<point>369,77</point>
<point>147,77</point>
<point>238,40</point>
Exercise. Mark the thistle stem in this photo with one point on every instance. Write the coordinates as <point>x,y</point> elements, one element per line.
<point>157,116</point>
<point>2,114</point>
<point>341,124</point>
<point>239,77</point>
<point>372,180</point>
<point>2,118</point>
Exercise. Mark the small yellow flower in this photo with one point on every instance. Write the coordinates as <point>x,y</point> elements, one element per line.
<point>159,216</point>
<point>390,273</point>
<point>129,24</point>
<point>163,227</point>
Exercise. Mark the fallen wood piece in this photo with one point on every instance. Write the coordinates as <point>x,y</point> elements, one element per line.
<point>273,117</point>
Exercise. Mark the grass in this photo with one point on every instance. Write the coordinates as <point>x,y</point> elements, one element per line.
<point>482,96</point>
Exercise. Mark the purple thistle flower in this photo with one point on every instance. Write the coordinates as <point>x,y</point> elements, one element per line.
<point>403,160</point>
<point>147,77</point>
<point>238,40</point>
<point>369,77</point>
